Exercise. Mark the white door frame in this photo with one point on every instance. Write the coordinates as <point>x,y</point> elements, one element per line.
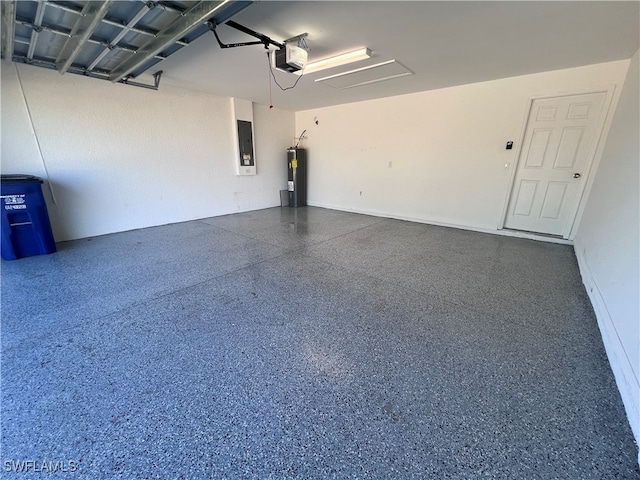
<point>602,129</point>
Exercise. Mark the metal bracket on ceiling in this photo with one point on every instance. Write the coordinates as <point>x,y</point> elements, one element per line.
<point>156,78</point>
<point>299,40</point>
<point>156,81</point>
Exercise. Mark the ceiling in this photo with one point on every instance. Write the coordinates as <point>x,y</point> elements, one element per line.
<point>443,43</point>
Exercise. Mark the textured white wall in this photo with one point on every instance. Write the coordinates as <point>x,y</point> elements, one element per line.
<point>607,245</point>
<point>437,156</point>
<point>121,157</point>
<point>19,148</point>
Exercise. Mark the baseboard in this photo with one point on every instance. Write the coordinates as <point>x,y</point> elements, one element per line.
<point>620,363</point>
<point>505,233</point>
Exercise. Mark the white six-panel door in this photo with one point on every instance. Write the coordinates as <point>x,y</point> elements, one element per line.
<point>558,147</point>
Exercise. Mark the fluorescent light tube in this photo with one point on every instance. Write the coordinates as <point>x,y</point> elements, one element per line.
<point>336,61</point>
<point>366,75</point>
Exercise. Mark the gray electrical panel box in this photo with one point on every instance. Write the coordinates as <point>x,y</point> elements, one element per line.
<point>245,141</point>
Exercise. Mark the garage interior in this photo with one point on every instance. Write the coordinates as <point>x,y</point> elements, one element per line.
<point>413,320</point>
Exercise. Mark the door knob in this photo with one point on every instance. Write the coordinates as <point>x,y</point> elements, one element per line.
<point>576,175</point>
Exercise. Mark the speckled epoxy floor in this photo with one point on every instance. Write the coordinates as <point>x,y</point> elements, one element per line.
<point>306,343</point>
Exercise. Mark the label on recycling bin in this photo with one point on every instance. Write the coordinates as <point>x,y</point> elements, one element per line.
<point>14,202</point>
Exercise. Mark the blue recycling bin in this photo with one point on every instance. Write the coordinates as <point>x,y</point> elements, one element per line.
<point>26,229</point>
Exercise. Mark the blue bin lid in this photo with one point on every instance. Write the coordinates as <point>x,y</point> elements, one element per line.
<point>19,178</point>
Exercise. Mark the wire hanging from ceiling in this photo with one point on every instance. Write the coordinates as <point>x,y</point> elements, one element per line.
<point>274,76</point>
<point>269,80</point>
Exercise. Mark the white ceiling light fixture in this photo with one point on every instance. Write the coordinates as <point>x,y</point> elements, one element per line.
<point>336,61</point>
<point>366,75</point>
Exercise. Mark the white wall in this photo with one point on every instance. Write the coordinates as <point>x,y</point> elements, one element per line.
<point>608,241</point>
<point>120,157</point>
<point>437,156</point>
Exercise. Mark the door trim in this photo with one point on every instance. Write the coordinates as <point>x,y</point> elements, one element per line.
<point>602,129</point>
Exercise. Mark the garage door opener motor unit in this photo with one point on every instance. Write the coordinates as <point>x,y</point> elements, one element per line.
<point>290,58</point>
